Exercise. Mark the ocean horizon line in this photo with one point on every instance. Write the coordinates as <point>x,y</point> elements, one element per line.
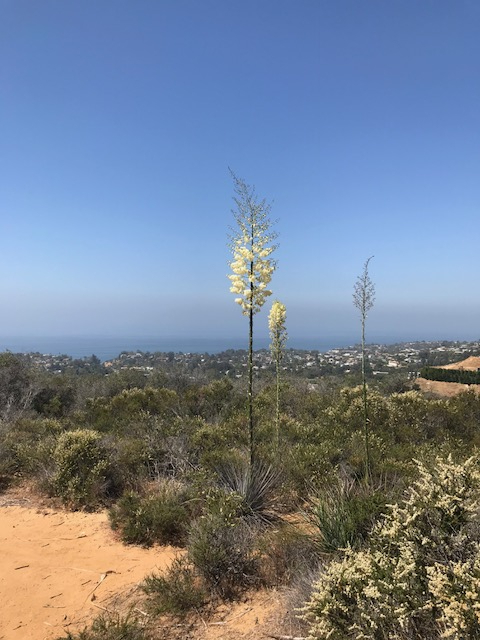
<point>108,347</point>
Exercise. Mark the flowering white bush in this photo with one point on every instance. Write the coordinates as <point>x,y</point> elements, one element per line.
<point>420,576</point>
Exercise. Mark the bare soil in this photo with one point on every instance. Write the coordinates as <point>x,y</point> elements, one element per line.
<point>444,389</point>
<point>61,569</point>
<point>469,364</point>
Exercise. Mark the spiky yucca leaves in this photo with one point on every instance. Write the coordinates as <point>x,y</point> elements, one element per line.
<point>256,486</point>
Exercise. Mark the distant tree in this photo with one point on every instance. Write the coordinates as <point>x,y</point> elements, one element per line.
<point>363,299</point>
<point>278,336</point>
<point>16,385</point>
<point>252,268</point>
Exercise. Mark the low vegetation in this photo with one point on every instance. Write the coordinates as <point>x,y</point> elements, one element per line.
<point>419,574</point>
<point>391,553</point>
<point>112,626</point>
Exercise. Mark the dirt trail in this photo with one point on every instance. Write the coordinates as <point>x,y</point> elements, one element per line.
<point>59,570</point>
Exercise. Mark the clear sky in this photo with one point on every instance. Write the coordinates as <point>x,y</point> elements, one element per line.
<point>359,121</point>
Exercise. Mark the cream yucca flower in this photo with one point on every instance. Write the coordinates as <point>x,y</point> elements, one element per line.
<point>276,324</point>
<point>252,268</point>
<point>278,335</point>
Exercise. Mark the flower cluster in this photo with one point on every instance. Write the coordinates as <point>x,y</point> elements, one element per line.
<point>252,271</point>
<point>278,333</point>
<point>252,266</point>
<point>420,576</point>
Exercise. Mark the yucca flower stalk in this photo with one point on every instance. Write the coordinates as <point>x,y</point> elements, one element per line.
<point>278,336</point>
<point>363,299</point>
<point>252,268</point>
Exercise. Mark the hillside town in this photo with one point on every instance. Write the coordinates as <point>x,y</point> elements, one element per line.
<point>406,357</point>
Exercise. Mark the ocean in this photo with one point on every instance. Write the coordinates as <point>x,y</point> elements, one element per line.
<point>107,347</point>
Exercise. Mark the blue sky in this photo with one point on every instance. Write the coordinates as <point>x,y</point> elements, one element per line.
<point>359,121</point>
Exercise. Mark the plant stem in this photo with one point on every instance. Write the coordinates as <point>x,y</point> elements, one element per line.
<point>277,415</point>
<point>250,382</point>
<point>365,408</point>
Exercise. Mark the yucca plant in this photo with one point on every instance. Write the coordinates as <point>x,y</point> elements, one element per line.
<point>256,485</point>
<point>278,336</point>
<point>363,299</point>
<point>252,269</point>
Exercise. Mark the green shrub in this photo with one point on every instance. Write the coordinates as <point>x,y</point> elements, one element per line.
<point>113,626</point>
<point>343,514</point>
<point>161,517</point>
<point>54,400</point>
<point>215,443</point>
<point>222,550</point>
<point>210,401</point>
<point>118,413</point>
<point>28,444</point>
<point>16,385</point>
<point>81,476</point>
<point>130,463</point>
<point>419,578</point>
<point>450,375</point>
<point>176,591</point>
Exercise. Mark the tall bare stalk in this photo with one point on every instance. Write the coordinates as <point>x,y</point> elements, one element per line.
<point>363,299</point>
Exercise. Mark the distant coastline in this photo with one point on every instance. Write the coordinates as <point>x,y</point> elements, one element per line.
<point>106,347</point>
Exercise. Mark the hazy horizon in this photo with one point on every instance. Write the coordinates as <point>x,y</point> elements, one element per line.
<point>107,347</point>
<point>358,121</point>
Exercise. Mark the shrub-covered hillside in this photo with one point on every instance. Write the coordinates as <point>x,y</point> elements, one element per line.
<point>171,461</point>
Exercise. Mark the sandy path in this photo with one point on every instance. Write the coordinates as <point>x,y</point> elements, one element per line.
<point>57,568</point>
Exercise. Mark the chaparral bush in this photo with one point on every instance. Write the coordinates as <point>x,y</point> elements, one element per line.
<point>131,405</point>
<point>81,476</point>
<point>26,445</point>
<point>113,626</point>
<point>177,590</point>
<point>287,553</point>
<point>419,578</point>
<point>222,546</point>
<point>160,517</point>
